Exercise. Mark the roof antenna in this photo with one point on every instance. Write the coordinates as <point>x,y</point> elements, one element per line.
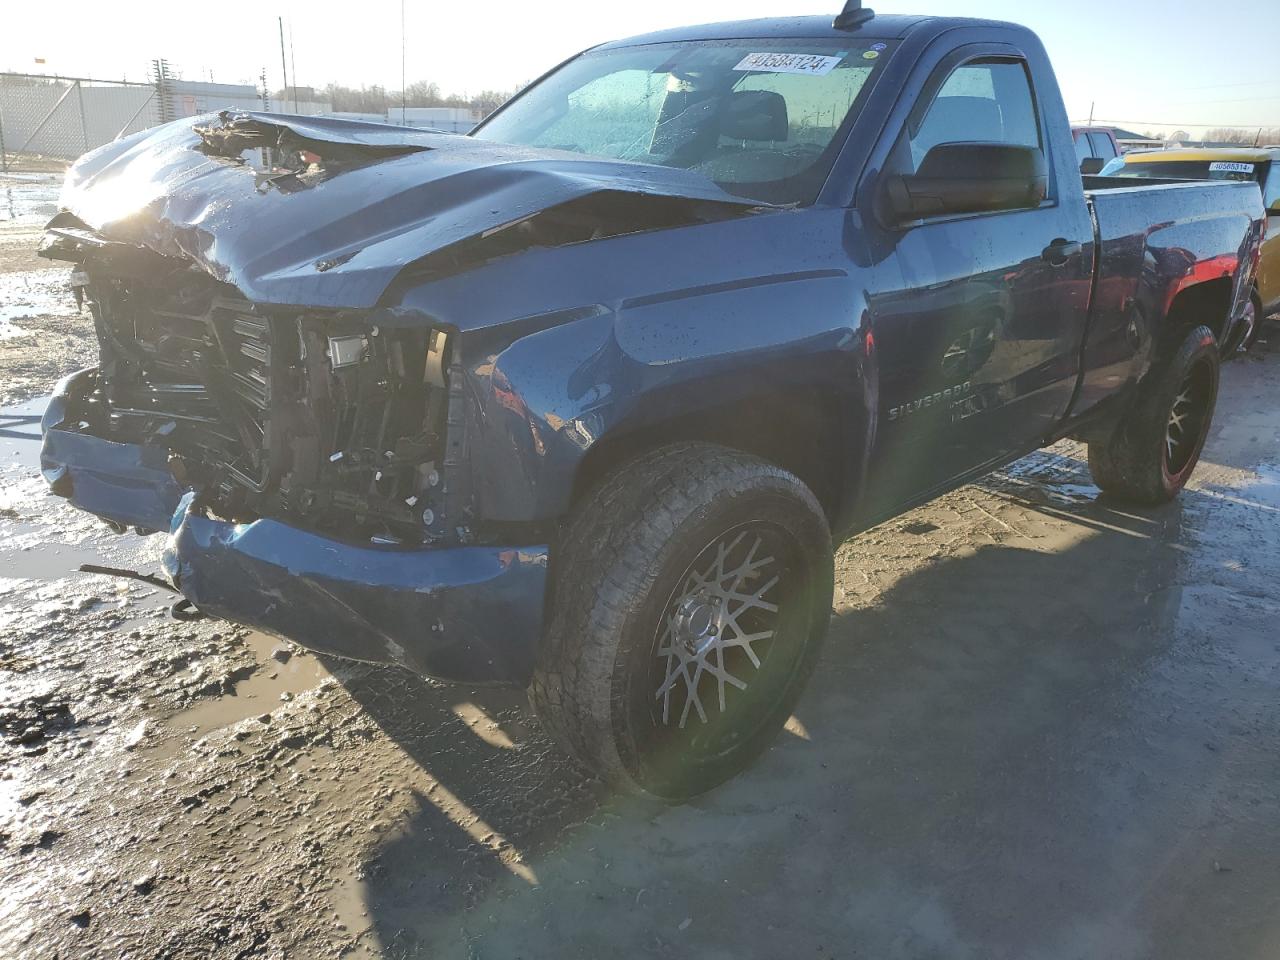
<point>852,16</point>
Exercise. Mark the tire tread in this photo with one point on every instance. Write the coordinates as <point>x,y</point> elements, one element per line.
<point>606,562</point>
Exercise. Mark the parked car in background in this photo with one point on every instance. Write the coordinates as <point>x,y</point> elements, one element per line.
<point>581,401</point>
<point>1095,147</point>
<point>1260,165</point>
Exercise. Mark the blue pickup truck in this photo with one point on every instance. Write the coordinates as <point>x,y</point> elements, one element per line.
<point>581,401</point>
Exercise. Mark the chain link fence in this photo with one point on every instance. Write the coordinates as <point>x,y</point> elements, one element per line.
<point>58,118</point>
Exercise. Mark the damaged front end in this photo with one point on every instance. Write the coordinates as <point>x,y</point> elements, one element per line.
<point>301,460</point>
<point>312,417</point>
<point>262,397</point>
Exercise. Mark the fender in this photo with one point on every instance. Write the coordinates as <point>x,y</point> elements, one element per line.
<point>660,366</point>
<point>565,348</point>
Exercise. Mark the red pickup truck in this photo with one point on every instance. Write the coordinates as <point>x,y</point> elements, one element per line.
<point>1095,147</point>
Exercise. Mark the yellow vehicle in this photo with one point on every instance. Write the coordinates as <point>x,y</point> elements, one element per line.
<point>1262,165</point>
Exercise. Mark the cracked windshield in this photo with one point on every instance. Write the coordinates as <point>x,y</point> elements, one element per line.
<point>679,480</point>
<point>761,123</point>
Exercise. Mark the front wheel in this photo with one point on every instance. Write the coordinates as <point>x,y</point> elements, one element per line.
<point>691,594</point>
<point>1150,455</point>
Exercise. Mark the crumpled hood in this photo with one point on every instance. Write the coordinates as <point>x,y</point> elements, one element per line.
<point>337,240</point>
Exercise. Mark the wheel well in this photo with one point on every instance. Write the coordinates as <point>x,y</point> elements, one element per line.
<point>796,430</point>
<point>1207,303</point>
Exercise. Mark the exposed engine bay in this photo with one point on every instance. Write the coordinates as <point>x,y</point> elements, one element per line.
<point>196,246</point>
<point>313,417</point>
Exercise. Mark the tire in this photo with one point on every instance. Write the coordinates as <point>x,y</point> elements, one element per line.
<point>1152,452</point>
<point>662,669</point>
<point>1253,317</point>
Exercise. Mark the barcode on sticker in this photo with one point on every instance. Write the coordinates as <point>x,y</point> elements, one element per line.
<point>811,64</point>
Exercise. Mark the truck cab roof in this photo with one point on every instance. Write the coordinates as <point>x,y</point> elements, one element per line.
<point>890,27</point>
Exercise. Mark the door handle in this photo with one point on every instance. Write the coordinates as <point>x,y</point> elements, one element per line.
<point>1060,251</point>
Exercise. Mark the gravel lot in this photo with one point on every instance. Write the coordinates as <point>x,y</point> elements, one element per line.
<point>1044,727</point>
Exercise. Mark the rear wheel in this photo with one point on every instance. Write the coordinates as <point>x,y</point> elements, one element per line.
<point>1152,452</point>
<point>691,595</point>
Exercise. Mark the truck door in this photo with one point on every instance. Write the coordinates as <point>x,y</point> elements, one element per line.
<point>978,347</point>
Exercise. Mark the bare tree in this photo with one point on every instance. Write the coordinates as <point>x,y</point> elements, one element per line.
<point>1245,137</point>
<point>422,93</point>
<point>374,99</point>
<point>487,101</point>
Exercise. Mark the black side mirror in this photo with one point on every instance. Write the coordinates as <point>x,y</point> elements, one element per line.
<point>1092,166</point>
<point>970,178</point>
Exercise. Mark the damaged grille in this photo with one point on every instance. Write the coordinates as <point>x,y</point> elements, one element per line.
<point>322,420</point>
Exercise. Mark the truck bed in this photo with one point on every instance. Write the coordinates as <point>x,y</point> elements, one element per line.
<point>1152,241</point>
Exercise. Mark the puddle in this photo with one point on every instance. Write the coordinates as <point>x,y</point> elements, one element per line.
<point>20,436</point>
<point>1258,488</point>
<point>25,294</point>
<point>44,560</point>
<point>258,693</point>
<point>29,198</point>
<point>35,545</point>
<point>42,538</point>
<point>1047,475</point>
<point>1267,487</point>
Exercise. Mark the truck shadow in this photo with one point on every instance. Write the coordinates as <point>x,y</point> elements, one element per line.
<point>941,723</point>
<point>500,793</point>
<point>19,426</point>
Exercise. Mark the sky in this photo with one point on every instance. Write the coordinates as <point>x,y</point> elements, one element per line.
<point>1159,65</point>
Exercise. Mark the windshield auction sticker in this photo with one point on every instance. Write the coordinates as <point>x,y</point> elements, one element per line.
<point>789,63</point>
<point>1230,166</point>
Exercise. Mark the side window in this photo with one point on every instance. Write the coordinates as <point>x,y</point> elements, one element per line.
<point>1102,146</point>
<point>1082,147</point>
<point>984,100</point>
<point>1271,186</point>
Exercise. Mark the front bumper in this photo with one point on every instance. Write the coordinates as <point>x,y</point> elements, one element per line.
<point>126,483</point>
<point>462,614</point>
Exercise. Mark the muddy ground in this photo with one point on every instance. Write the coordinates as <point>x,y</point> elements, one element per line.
<point>1044,727</point>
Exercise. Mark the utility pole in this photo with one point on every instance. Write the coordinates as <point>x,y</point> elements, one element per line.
<point>293,67</point>
<point>163,92</point>
<point>284,69</point>
<point>267,159</point>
